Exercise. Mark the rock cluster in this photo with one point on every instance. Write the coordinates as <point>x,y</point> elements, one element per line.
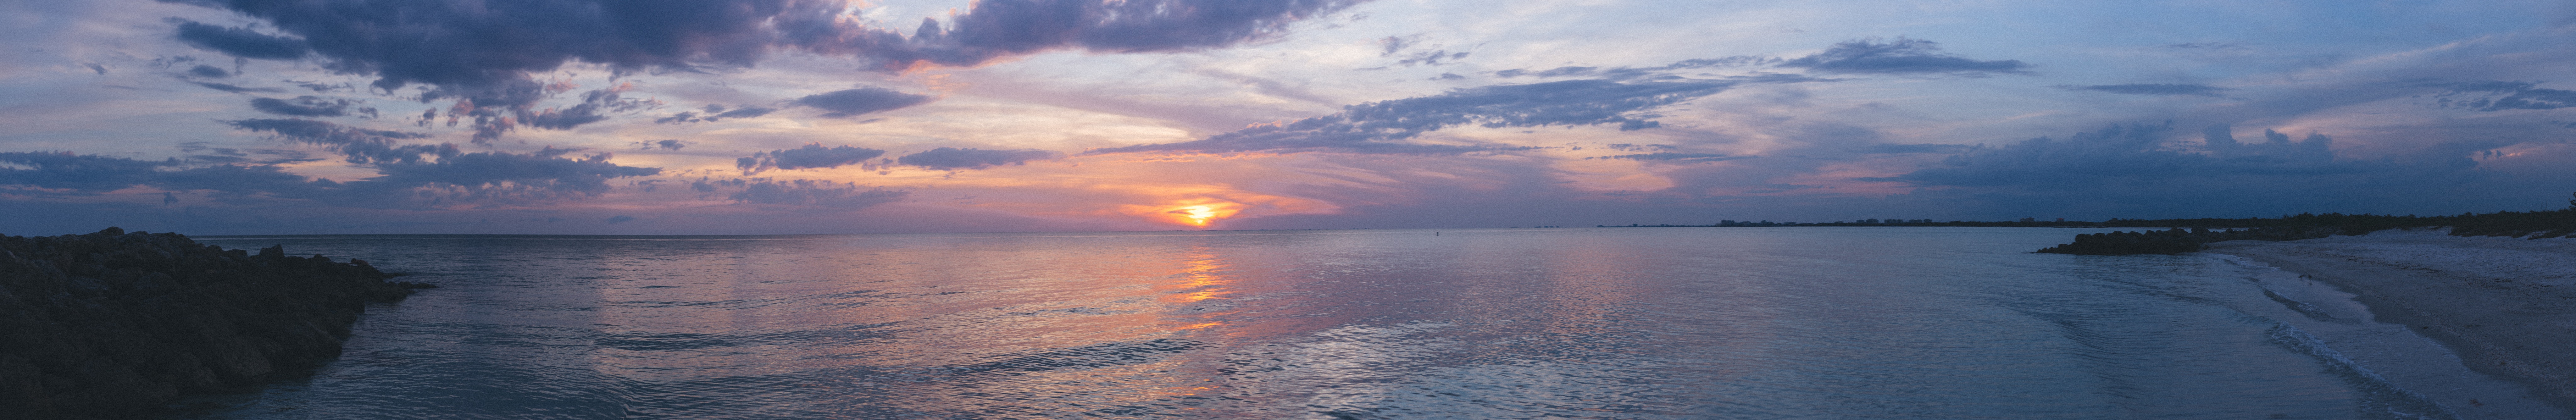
<point>114,324</point>
<point>2177,240</point>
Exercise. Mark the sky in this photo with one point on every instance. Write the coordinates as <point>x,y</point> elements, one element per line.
<point>824,116</point>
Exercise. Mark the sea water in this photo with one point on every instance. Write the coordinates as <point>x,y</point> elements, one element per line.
<point>1610,323</point>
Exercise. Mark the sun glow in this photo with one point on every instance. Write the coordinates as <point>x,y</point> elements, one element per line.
<point>1198,215</point>
<point>1195,213</point>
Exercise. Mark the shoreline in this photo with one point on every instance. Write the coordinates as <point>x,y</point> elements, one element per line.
<point>2487,300</point>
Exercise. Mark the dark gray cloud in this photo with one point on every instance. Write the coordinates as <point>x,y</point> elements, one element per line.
<point>1901,56</point>
<point>2166,89</point>
<point>812,156</point>
<point>666,144</point>
<point>205,152</point>
<point>2221,142</point>
<point>500,108</point>
<point>1914,148</point>
<point>816,193</point>
<point>93,174</point>
<point>2150,171</point>
<point>544,170</point>
<point>714,113</point>
<point>481,53</point>
<point>1627,73</point>
<point>2207,45</point>
<point>207,71</point>
<point>361,145</point>
<point>1380,127</point>
<point>1401,47</point>
<point>852,102</point>
<point>483,43</point>
<point>241,180</point>
<point>1675,157</point>
<point>595,107</point>
<point>303,106</point>
<point>77,172</point>
<point>237,89</point>
<point>239,42</point>
<point>2497,96</point>
<point>2129,152</point>
<point>954,158</point>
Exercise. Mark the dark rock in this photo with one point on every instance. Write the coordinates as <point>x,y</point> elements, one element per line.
<point>115,324</point>
<point>2177,240</point>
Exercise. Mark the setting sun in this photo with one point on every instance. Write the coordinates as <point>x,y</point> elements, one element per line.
<point>1198,215</point>
<point>1194,213</point>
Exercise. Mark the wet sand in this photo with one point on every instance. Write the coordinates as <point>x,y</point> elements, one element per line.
<point>2506,307</point>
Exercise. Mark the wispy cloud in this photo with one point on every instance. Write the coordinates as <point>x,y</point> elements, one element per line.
<point>1901,56</point>
<point>1381,127</point>
<point>946,158</point>
<point>2161,89</point>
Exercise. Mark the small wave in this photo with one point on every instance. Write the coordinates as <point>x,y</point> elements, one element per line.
<point>2303,308</point>
<point>2380,399</point>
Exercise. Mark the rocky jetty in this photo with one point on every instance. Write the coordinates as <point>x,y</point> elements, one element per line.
<point>2514,224</point>
<point>115,324</point>
<point>2177,240</point>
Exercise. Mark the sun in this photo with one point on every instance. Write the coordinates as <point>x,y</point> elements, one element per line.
<point>1198,215</point>
<point>1192,212</point>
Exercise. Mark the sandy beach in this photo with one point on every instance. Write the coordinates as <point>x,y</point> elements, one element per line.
<point>2506,307</point>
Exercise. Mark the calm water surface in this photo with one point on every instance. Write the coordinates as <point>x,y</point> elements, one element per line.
<point>1751,323</point>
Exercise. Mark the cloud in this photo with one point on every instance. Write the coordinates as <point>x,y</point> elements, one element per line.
<point>815,193</point>
<point>78,172</point>
<point>665,144</point>
<point>1394,45</point>
<point>2141,171</point>
<point>812,156</point>
<point>93,174</point>
<point>713,113</point>
<point>2207,45</point>
<point>239,42</point>
<point>1675,157</point>
<point>543,170</point>
<point>1379,127</point>
<point>202,70</point>
<point>239,180</point>
<point>620,219</point>
<point>852,102</point>
<point>359,144</point>
<point>1902,56</point>
<point>236,89</point>
<point>303,106</point>
<point>2497,96</point>
<point>594,107</point>
<point>2125,152</point>
<point>503,107</point>
<point>1628,73</point>
<point>954,158</point>
<point>2166,89</point>
<point>482,43</point>
<point>401,168</point>
<point>1914,148</point>
<point>223,155</point>
<point>481,54</point>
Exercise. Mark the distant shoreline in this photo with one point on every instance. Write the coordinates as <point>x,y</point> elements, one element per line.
<point>1922,224</point>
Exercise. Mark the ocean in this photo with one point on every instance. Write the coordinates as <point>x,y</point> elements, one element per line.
<point>1588,323</point>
